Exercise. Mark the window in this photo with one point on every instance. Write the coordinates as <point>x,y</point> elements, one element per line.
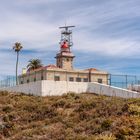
<point>85,79</point>
<point>78,79</point>
<point>71,79</point>
<point>34,79</point>
<point>100,81</point>
<point>42,78</point>
<point>57,78</point>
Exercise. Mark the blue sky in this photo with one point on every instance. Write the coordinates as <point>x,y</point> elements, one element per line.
<point>107,33</point>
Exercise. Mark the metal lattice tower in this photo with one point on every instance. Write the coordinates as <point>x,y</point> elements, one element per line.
<point>66,35</point>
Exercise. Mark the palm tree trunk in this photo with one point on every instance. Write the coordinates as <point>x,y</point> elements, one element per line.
<point>17,68</point>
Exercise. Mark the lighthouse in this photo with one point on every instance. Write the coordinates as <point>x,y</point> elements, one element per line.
<point>64,58</point>
<point>63,70</point>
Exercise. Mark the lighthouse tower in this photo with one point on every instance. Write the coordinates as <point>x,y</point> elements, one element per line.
<point>64,59</point>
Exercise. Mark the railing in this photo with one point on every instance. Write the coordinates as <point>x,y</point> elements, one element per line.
<point>121,81</point>
<point>9,81</point>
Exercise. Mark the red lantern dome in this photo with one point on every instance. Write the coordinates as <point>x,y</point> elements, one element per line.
<point>64,45</point>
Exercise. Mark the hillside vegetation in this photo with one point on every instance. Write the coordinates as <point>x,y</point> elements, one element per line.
<point>68,117</point>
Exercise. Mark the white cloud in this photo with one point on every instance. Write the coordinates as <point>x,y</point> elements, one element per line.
<point>102,27</point>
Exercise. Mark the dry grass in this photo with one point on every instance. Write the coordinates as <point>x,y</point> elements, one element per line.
<point>68,117</point>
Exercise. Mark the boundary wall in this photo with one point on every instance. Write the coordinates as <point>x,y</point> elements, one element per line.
<point>49,88</point>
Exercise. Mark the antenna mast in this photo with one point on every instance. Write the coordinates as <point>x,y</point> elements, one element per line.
<point>66,35</point>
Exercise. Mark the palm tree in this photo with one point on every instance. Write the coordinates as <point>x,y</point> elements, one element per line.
<point>34,64</point>
<point>17,47</point>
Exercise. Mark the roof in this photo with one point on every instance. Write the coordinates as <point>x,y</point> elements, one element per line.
<point>50,66</point>
<point>92,69</point>
<point>67,54</point>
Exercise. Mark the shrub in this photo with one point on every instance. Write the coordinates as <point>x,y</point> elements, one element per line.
<point>7,109</point>
<point>126,131</point>
<point>106,124</point>
<point>4,93</point>
<point>106,137</point>
<point>134,109</point>
<point>59,103</point>
<point>85,115</point>
<point>120,136</point>
<point>68,117</point>
<point>30,107</point>
<point>86,105</point>
<point>125,108</point>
